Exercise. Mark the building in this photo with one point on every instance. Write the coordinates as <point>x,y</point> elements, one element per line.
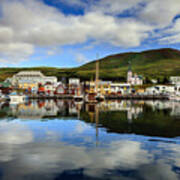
<point>74,86</point>
<point>74,81</point>
<point>61,89</point>
<point>31,79</point>
<point>160,89</point>
<point>133,79</point>
<point>120,88</point>
<point>49,88</point>
<point>174,79</point>
<point>108,87</point>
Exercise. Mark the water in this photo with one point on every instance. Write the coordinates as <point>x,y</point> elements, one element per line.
<point>112,140</point>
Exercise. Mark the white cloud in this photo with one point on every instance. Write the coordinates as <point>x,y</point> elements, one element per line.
<point>171,34</point>
<point>26,25</point>
<point>54,51</point>
<point>160,12</point>
<point>115,6</point>
<point>80,58</point>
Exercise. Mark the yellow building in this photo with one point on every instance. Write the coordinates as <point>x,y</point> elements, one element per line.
<point>31,85</point>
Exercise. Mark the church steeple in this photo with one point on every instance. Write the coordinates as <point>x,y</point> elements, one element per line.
<point>129,66</point>
<point>129,73</point>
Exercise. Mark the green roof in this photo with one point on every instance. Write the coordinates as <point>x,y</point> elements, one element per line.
<point>5,84</point>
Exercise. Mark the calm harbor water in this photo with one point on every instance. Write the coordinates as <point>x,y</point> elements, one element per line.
<point>53,140</point>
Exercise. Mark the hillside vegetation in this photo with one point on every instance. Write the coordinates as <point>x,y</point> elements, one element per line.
<point>158,63</point>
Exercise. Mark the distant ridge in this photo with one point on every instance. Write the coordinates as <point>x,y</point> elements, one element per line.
<point>156,63</point>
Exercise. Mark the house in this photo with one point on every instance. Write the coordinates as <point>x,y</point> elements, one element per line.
<point>108,87</point>
<point>160,89</point>
<point>74,81</point>
<point>74,86</point>
<point>49,88</point>
<point>61,89</point>
<point>120,88</point>
<point>174,79</point>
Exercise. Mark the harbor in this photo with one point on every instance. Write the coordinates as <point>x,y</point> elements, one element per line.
<point>35,85</point>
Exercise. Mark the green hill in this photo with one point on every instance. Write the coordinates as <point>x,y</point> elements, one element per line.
<point>158,63</point>
<point>153,63</point>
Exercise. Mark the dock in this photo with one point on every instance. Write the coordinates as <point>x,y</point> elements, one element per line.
<point>107,97</point>
<point>137,97</point>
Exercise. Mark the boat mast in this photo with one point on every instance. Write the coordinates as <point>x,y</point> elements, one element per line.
<point>97,74</point>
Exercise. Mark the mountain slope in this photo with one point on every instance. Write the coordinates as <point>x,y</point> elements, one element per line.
<point>157,63</point>
<point>152,63</point>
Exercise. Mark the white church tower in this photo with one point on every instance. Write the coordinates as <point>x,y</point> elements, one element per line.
<point>129,73</point>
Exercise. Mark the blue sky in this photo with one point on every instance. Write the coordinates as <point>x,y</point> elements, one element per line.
<point>69,33</point>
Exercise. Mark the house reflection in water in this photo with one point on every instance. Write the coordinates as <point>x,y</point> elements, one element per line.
<point>172,106</point>
<point>127,106</point>
<point>46,109</point>
<point>35,109</point>
<point>157,118</point>
<point>69,108</point>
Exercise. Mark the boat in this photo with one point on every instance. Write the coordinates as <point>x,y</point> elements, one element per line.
<point>100,97</point>
<point>78,97</point>
<point>91,97</point>
<point>17,98</point>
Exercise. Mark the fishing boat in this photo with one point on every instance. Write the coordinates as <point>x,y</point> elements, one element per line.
<point>17,98</point>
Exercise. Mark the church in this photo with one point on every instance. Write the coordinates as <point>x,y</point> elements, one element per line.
<point>133,79</point>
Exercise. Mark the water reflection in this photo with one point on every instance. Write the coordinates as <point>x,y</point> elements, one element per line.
<point>26,157</point>
<point>69,140</point>
<point>153,118</point>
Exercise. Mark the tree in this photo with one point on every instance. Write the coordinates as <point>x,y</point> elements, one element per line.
<point>165,80</point>
<point>147,80</point>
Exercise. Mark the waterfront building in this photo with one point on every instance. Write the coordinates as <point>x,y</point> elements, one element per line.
<point>108,87</point>
<point>174,79</point>
<point>74,81</point>
<point>133,79</point>
<point>160,89</point>
<point>49,88</point>
<point>31,79</point>
<point>61,89</point>
<point>74,86</point>
<point>120,88</point>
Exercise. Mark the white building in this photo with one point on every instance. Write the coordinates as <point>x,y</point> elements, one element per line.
<point>74,81</point>
<point>175,79</point>
<point>25,79</point>
<point>134,79</point>
<point>160,89</point>
<point>121,88</point>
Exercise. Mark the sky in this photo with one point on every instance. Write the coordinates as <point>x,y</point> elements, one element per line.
<point>69,33</point>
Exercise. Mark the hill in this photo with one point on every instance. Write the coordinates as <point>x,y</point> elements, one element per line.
<point>153,64</point>
<point>157,63</point>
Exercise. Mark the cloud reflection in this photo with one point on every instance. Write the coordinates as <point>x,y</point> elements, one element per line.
<point>21,156</point>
